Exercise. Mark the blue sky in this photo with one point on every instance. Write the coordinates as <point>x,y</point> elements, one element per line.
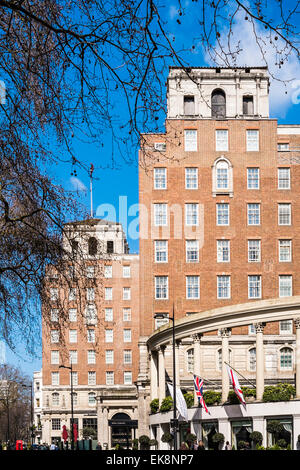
<point>122,181</point>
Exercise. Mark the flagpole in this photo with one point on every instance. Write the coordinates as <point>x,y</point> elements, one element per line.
<point>206,380</point>
<point>240,374</point>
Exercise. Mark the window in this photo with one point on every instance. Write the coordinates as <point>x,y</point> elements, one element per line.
<point>285,286</point>
<point>254,287</point>
<point>127,378</point>
<point>284,214</point>
<point>161,251</point>
<point>189,105</point>
<point>190,141</point>
<point>191,178</point>
<point>91,378</point>
<point>110,246</point>
<point>55,399</point>
<point>74,378</point>
<point>55,422</point>
<point>127,356</point>
<point>221,140</point>
<point>218,104</point>
<point>223,251</point>
<point>222,214</point>
<point>91,315</point>
<point>223,287</point>
<point>248,109</point>
<point>90,272</point>
<point>251,330</point>
<point>253,214</point>
<point>107,271</point>
<point>164,320</point>
<point>91,356</point>
<point>54,357</point>
<point>109,356</point>
<point>192,287</point>
<point>161,287</point>
<point>92,246</point>
<point>286,327</point>
<point>108,293</point>
<point>73,314</point>
<point>109,378</point>
<point>252,359</point>
<point>72,294</point>
<point>284,178</point>
<point>108,314</point>
<point>190,360</point>
<point>127,335</point>
<point>285,250</point>
<point>73,357</point>
<point>126,293</point>
<point>90,336</point>
<point>254,251</point>
<point>219,358</point>
<point>54,314</point>
<point>53,294</point>
<point>90,294</point>
<point>75,400</point>
<point>73,336</point>
<point>54,378</point>
<point>109,336</point>
<point>252,140</point>
<point>286,358</point>
<point>126,271</point>
<point>92,398</point>
<point>253,178</point>
<point>74,245</point>
<point>191,214</point>
<point>192,251</point>
<point>283,147</point>
<point>126,314</point>
<point>54,336</point>
<point>160,215</point>
<point>160,178</point>
<point>222,175</point>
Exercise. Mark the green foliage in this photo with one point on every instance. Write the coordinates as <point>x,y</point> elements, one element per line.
<point>190,438</point>
<point>153,443</point>
<point>167,437</point>
<point>247,392</point>
<point>282,443</point>
<point>275,427</point>
<point>279,392</point>
<point>154,405</point>
<point>232,398</point>
<point>258,447</point>
<point>135,444</point>
<point>166,404</point>
<point>211,397</point>
<point>189,399</point>
<point>256,437</point>
<point>89,432</point>
<point>218,438</point>
<point>242,445</point>
<point>144,440</point>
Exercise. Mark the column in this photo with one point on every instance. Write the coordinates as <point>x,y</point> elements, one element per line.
<point>161,374</point>
<point>177,362</point>
<point>260,360</point>
<point>197,360</point>
<point>153,375</point>
<point>225,332</point>
<point>297,356</point>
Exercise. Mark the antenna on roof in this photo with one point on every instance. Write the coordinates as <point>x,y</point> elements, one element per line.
<point>91,188</point>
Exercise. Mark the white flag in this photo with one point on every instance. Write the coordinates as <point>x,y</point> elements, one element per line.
<point>180,402</point>
<point>235,384</point>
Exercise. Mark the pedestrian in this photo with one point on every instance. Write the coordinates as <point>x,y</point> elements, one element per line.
<point>53,446</point>
<point>183,446</point>
<point>98,446</point>
<point>228,446</point>
<point>201,445</point>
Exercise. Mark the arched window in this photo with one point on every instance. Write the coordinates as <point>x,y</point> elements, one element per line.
<point>252,359</point>
<point>286,359</point>
<point>190,360</point>
<point>222,177</point>
<point>92,246</point>
<point>219,355</point>
<point>92,398</point>
<point>55,399</point>
<point>218,104</point>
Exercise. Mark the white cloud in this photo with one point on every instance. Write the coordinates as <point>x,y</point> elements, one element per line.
<point>77,184</point>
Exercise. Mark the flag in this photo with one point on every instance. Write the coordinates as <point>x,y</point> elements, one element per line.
<point>235,384</point>
<point>198,382</point>
<point>180,402</point>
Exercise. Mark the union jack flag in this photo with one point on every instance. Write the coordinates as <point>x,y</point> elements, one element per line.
<point>198,382</point>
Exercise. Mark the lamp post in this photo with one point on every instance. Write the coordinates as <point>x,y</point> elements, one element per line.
<point>31,410</point>
<point>72,410</point>
<point>174,421</point>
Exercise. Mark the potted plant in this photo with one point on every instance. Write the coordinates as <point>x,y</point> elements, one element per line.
<point>153,443</point>
<point>257,438</point>
<point>144,442</point>
<point>168,438</point>
<point>135,444</point>
<point>218,439</point>
<point>154,405</point>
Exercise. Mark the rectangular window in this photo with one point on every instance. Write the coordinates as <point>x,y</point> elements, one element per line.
<point>108,293</point>
<point>160,215</point>
<point>74,376</point>
<point>253,178</point>
<point>126,271</point>
<point>252,140</point>
<point>191,178</point>
<point>254,251</point>
<point>221,140</point>
<point>126,293</point>
<point>107,271</point>
<point>127,356</point>
<point>161,287</point>
<point>160,178</point>
<point>73,336</point>
<point>109,378</point>
<point>90,272</point>
<point>285,286</point>
<point>223,287</point>
<point>192,214</point>
<point>54,357</point>
<point>110,246</point>
<point>284,178</point>
<point>127,335</point>
<point>53,294</point>
<point>248,109</point>
<point>109,336</point>
<point>127,378</point>
<point>90,336</point>
<point>54,378</point>
<point>91,356</point>
<point>109,356</point>
<point>126,314</point>
<point>286,327</point>
<point>54,336</point>
<point>192,251</point>
<point>91,315</point>
<point>54,314</point>
<point>223,214</point>
<point>192,287</point>
<point>72,294</point>
<point>283,147</point>
<point>73,357</point>
<point>73,314</point>
<point>161,251</point>
<point>285,250</point>
<point>222,176</point>
<point>253,214</point>
<point>223,251</point>
<point>189,105</point>
<point>109,316</point>
<point>91,378</point>
<point>55,424</point>
<point>254,287</point>
<point>284,214</point>
<point>190,140</point>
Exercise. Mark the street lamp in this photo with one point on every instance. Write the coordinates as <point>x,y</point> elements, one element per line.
<point>31,410</point>
<point>72,411</point>
<point>174,421</point>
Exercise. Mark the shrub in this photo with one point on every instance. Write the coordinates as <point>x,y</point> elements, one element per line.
<point>190,438</point>
<point>275,427</point>
<point>154,405</point>
<point>135,444</point>
<point>247,392</point>
<point>144,442</point>
<point>279,392</point>
<point>189,399</point>
<point>167,437</point>
<point>166,404</point>
<point>153,443</point>
<point>211,397</point>
<point>242,445</point>
<point>218,438</point>
<point>256,437</point>
<point>282,443</point>
<point>232,398</point>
